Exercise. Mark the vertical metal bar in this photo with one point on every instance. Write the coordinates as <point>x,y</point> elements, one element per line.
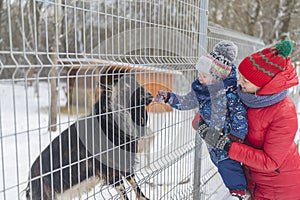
<point>26,81</point>
<point>202,50</point>
<point>14,92</point>
<point>2,152</point>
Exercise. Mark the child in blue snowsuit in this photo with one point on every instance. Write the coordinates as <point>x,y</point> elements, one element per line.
<point>215,93</point>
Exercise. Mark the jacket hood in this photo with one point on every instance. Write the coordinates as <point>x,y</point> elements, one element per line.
<point>282,81</point>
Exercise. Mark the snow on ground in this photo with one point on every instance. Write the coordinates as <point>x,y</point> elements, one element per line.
<point>29,119</point>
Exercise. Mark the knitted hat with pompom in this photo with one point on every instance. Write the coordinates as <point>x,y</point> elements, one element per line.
<point>260,67</point>
<point>223,55</point>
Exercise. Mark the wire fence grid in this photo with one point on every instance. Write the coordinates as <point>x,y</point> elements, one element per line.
<point>77,117</point>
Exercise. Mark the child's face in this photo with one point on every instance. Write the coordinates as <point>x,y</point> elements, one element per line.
<point>205,78</point>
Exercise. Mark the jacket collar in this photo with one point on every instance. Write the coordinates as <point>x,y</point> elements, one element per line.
<point>282,81</point>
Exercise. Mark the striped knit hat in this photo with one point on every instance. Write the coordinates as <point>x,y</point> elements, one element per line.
<point>222,57</point>
<point>260,67</point>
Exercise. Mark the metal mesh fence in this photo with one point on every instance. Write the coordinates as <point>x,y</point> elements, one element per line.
<point>77,117</point>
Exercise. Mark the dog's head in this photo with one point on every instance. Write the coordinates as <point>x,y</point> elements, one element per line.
<point>140,97</point>
<point>125,102</point>
<point>131,100</point>
<point>128,93</point>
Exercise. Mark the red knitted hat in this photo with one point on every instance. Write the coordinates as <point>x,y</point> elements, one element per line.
<point>260,67</point>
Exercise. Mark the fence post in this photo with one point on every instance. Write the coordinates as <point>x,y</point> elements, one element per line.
<point>198,143</point>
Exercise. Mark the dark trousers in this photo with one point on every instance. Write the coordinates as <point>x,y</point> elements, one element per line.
<point>232,174</point>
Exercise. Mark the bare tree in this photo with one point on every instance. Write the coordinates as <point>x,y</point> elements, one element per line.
<point>282,20</point>
<point>54,69</point>
<point>269,20</point>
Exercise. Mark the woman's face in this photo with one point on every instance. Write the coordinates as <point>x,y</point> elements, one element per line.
<point>246,85</point>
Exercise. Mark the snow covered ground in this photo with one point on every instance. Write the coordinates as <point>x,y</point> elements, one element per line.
<point>24,134</point>
<point>29,119</point>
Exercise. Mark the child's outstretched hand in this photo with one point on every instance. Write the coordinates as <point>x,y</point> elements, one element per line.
<point>162,96</point>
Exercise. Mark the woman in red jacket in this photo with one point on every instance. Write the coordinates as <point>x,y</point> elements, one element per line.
<point>269,155</point>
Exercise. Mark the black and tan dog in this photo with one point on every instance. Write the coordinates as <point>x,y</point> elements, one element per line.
<point>99,148</point>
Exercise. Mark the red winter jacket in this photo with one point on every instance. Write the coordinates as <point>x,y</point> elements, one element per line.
<point>270,155</point>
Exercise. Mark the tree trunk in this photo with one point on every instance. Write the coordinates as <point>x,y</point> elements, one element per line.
<point>54,70</point>
<point>1,13</point>
<point>53,83</point>
<point>286,20</point>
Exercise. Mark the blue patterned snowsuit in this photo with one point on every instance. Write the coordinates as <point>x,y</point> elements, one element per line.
<point>221,108</point>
